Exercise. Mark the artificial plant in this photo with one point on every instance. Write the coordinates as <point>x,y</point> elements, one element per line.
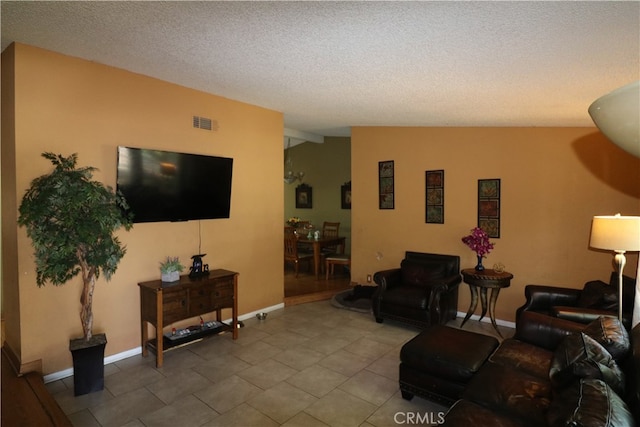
<point>71,220</point>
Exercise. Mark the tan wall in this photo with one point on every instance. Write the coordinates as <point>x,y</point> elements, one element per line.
<point>553,182</point>
<point>327,167</point>
<point>68,105</point>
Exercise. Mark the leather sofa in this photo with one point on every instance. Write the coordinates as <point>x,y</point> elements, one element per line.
<point>595,299</point>
<point>423,291</point>
<point>555,372</point>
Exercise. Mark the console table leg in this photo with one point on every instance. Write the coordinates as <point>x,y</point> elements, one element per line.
<point>492,309</point>
<point>473,305</point>
<point>483,299</point>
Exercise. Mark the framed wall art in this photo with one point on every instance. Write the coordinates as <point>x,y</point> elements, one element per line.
<point>345,195</point>
<point>434,196</point>
<point>304,197</point>
<point>489,206</point>
<point>386,184</point>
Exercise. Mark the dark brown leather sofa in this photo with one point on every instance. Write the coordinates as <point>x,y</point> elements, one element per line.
<point>595,299</point>
<point>422,292</point>
<point>555,372</point>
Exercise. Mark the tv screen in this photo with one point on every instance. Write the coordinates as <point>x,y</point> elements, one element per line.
<point>170,186</point>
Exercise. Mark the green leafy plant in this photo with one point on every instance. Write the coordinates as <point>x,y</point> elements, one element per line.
<point>170,265</point>
<point>71,220</point>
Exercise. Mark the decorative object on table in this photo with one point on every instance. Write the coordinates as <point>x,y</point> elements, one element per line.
<point>289,175</point>
<point>77,216</point>
<point>198,268</point>
<point>304,197</point>
<point>489,206</point>
<point>294,221</point>
<point>170,269</point>
<point>434,184</point>
<point>478,241</point>
<point>345,195</point>
<point>618,234</point>
<point>386,184</point>
<point>316,234</point>
<point>498,267</point>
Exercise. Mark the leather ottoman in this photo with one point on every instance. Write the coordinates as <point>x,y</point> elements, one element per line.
<point>438,363</point>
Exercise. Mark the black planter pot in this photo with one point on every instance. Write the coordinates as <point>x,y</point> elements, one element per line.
<point>88,364</point>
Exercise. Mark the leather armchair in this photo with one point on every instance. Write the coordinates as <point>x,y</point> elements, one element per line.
<point>595,299</point>
<point>422,292</point>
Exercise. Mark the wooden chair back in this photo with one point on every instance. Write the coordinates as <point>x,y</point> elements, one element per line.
<point>330,229</point>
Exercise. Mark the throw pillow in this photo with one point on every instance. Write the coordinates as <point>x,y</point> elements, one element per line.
<point>598,295</point>
<point>580,356</point>
<point>611,334</point>
<point>417,273</point>
<point>589,402</point>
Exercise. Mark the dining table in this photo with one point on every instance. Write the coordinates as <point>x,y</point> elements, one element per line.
<point>318,244</point>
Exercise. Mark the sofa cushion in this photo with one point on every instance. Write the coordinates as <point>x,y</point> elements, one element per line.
<point>510,391</point>
<point>580,356</point>
<point>611,334</point>
<point>524,356</point>
<point>418,273</point>
<point>589,403</point>
<point>600,295</point>
<point>415,297</point>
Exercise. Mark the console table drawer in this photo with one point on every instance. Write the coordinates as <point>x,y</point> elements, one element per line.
<point>223,291</point>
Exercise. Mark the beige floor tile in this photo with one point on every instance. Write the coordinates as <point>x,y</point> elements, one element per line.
<point>326,343</point>
<point>398,411</point>
<point>242,416</point>
<point>282,402</point>
<point>228,393</point>
<point>267,373</point>
<point>221,367</point>
<point>185,412</point>
<point>317,380</point>
<point>126,407</point>
<point>285,339</point>
<point>303,419</point>
<point>368,347</point>
<point>387,367</point>
<point>299,358</point>
<point>370,387</point>
<point>256,352</point>
<point>339,408</point>
<point>177,386</point>
<point>345,362</point>
<point>131,379</point>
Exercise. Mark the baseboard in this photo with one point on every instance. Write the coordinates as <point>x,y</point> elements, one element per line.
<point>138,350</point>
<point>504,323</point>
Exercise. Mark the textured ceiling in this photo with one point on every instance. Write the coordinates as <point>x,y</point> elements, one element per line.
<point>332,65</point>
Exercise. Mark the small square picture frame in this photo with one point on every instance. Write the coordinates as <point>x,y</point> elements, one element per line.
<point>304,197</point>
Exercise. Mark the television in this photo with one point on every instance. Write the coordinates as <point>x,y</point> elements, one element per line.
<point>170,186</point>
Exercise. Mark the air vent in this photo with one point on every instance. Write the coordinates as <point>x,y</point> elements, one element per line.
<point>204,123</point>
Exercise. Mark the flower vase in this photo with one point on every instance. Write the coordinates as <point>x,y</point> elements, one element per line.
<point>479,267</point>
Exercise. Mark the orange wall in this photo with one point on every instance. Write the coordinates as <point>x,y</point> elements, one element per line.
<point>68,105</point>
<point>554,180</point>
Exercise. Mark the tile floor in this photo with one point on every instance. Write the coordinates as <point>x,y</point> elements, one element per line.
<point>306,365</point>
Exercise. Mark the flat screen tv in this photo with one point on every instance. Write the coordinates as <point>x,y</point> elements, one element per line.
<point>169,186</point>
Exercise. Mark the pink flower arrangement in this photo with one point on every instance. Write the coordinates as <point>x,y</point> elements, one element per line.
<point>478,241</point>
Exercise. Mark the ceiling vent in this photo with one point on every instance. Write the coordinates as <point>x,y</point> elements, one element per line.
<point>204,123</point>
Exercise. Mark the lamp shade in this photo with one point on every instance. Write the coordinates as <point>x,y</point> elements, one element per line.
<point>617,115</point>
<point>615,233</point>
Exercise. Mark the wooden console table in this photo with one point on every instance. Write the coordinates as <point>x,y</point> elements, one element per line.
<point>485,279</point>
<point>163,304</point>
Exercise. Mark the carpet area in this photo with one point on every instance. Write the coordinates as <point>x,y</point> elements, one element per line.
<point>356,299</point>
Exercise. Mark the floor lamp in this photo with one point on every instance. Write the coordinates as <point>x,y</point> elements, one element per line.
<point>619,234</point>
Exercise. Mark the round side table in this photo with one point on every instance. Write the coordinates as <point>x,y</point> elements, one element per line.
<point>483,280</point>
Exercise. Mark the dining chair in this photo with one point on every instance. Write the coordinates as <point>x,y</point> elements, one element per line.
<point>293,254</point>
<point>338,259</point>
<point>330,230</point>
